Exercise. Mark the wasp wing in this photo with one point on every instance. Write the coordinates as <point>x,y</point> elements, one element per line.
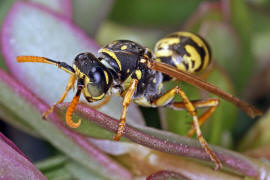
<point>197,82</point>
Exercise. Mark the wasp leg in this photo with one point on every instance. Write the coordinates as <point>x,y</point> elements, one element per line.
<point>211,104</point>
<point>191,109</point>
<point>73,105</point>
<point>70,84</point>
<point>126,100</point>
<point>38,59</point>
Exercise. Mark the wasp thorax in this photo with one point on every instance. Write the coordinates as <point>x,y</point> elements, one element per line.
<point>126,46</point>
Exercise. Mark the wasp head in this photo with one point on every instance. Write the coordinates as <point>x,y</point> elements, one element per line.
<point>97,78</point>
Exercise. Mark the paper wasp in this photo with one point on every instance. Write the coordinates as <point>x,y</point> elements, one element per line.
<point>136,73</point>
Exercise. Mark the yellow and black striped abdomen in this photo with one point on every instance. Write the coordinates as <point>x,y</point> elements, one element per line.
<point>184,50</point>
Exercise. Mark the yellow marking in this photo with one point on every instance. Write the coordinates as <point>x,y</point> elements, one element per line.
<point>138,74</point>
<point>164,53</point>
<point>155,80</point>
<point>128,70</point>
<point>160,86</point>
<point>127,82</point>
<point>77,71</point>
<point>166,42</point>
<point>142,101</point>
<point>88,95</point>
<point>193,36</point>
<point>157,59</point>
<point>162,49</point>
<point>123,47</point>
<point>142,60</point>
<point>194,56</point>
<point>200,43</point>
<point>207,59</point>
<point>178,63</point>
<point>106,77</point>
<point>98,97</point>
<point>112,54</point>
<point>165,98</point>
<point>81,75</point>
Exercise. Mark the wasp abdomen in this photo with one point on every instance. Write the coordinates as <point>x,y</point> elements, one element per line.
<point>183,50</point>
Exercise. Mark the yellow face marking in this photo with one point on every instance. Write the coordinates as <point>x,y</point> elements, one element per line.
<point>112,54</point>
<point>123,47</point>
<point>138,74</point>
<point>98,97</point>
<point>106,77</point>
<point>128,70</point>
<point>155,80</point>
<point>88,95</point>
<point>81,74</point>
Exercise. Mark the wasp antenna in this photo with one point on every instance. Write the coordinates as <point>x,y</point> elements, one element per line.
<point>35,59</point>
<point>38,59</point>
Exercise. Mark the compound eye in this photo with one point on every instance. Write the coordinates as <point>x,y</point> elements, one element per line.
<point>96,75</point>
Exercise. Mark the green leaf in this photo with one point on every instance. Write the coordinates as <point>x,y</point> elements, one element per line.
<point>258,135</point>
<point>61,167</point>
<point>14,164</point>
<point>241,20</point>
<point>153,12</point>
<point>90,14</point>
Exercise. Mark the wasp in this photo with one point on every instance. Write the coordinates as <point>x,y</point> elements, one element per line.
<point>137,74</point>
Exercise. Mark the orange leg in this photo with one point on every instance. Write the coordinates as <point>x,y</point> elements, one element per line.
<point>126,101</point>
<point>70,84</point>
<point>73,105</point>
<point>211,104</point>
<point>192,110</point>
